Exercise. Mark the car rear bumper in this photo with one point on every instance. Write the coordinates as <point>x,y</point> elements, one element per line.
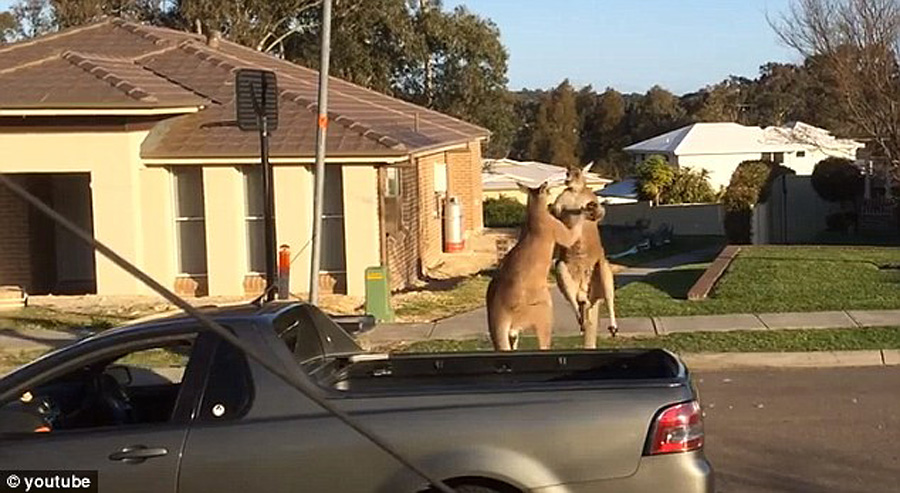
<point>672,473</point>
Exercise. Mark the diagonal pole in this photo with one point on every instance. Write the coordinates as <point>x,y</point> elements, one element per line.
<point>321,132</point>
<point>293,379</point>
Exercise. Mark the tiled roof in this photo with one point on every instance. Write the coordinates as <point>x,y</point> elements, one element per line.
<point>115,64</point>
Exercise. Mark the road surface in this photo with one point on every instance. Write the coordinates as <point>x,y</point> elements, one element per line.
<point>793,431</point>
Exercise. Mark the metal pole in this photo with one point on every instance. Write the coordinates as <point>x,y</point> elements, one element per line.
<point>269,212</point>
<point>324,59</point>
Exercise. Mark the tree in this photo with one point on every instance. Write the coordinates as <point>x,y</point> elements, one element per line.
<point>689,187</point>
<point>654,175</point>
<point>70,13</point>
<point>856,43</point>
<point>33,18</point>
<point>470,65</point>
<point>750,184</point>
<point>656,112</point>
<point>369,43</point>
<point>8,27</point>
<point>837,180</point>
<point>726,101</point>
<point>604,134</point>
<point>555,137</point>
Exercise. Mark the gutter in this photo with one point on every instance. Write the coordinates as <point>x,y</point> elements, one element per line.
<point>26,112</point>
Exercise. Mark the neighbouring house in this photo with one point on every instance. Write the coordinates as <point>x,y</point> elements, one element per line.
<point>720,147</point>
<point>499,177</point>
<point>620,192</point>
<point>129,131</point>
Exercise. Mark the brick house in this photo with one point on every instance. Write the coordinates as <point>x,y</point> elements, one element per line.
<point>129,131</point>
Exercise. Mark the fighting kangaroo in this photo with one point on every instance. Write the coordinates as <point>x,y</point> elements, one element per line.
<point>583,273</point>
<point>518,297</point>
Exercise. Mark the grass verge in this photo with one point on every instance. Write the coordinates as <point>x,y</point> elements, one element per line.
<point>775,279</point>
<point>707,342</point>
<point>429,305</point>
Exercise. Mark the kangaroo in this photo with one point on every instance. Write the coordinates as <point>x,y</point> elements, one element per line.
<point>518,297</point>
<point>583,273</point>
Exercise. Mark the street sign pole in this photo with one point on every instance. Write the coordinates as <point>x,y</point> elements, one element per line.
<point>256,108</point>
<point>269,212</point>
<point>322,121</point>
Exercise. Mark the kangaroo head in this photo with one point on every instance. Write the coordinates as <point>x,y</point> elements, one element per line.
<point>538,197</point>
<point>575,179</point>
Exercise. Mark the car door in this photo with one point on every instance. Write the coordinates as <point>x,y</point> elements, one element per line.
<point>141,455</point>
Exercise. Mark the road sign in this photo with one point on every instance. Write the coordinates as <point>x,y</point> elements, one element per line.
<point>256,95</point>
<point>256,109</point>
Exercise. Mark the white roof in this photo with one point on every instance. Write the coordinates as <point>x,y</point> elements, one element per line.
<point>503,174</point>
<point>733,138</point>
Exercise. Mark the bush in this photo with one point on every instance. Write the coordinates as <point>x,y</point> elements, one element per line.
<point>837,180</point>
<point>749,185</point>
<point>503,212</point>
<point>689,187</point>
<point>654,175</point>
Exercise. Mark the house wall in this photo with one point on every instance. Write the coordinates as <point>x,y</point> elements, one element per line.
<point>403,250</point>
<point>463,167</point>
<point>361,226</point>
<point>133,211</point>
<point>111,157</point>
<point>429,212</point>
<point>720,166</point>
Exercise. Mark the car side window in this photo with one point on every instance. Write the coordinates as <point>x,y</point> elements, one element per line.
<point>139,385</point>
<point>229,385</point>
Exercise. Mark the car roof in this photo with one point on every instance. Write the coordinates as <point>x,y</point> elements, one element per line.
<point>218,313</point>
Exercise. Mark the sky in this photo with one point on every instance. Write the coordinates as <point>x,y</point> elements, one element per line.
<point>631,45</point>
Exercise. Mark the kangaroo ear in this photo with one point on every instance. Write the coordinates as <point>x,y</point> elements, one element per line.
<point>544,187</point>
<point>524,188</point>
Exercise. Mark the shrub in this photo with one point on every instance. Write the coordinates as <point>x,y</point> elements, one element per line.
<point>749,185</point>
<point>654,175</point>
<point>837,180</point>
<point>503,212</point>
<point>689,187</point>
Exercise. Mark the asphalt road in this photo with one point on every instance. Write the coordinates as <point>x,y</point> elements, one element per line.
<point>821,430</point>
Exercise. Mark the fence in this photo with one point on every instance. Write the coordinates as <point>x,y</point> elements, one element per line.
<point>684,219</point>
<point>793,212</point>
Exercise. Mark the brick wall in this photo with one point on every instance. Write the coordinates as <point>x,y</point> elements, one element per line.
<point>403,245</point>
<point>15,262</point>
<point>464,168</point>
<point>429,220</point>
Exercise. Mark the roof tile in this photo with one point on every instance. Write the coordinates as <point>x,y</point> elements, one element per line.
<point>115,63</point>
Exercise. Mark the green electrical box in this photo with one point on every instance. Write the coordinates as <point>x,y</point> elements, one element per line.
<point>378,294</point>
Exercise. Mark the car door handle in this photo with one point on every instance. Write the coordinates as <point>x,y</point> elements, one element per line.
<point>137,454</point>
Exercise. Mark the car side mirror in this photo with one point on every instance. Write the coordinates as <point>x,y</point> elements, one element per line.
<point>19,419</point>
<point>121,373</point>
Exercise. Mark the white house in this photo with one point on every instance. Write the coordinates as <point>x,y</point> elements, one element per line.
<point>720,147</point>
<point>499,177</point>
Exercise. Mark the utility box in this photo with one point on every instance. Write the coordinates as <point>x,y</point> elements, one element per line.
<point>378,294</point>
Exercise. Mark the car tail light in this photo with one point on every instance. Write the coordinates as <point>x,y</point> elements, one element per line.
<point>678,428</point>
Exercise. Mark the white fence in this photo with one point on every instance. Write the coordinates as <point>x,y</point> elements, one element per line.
<point>685,219</point>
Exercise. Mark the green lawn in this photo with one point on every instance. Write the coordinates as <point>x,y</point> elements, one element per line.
<point>699,342</point>
<point>776,279</point>
<point>442,301</point>
<point>761,279</point>
<point>44,318</point>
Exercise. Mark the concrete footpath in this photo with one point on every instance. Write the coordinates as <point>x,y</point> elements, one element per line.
<point>474,324</point>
